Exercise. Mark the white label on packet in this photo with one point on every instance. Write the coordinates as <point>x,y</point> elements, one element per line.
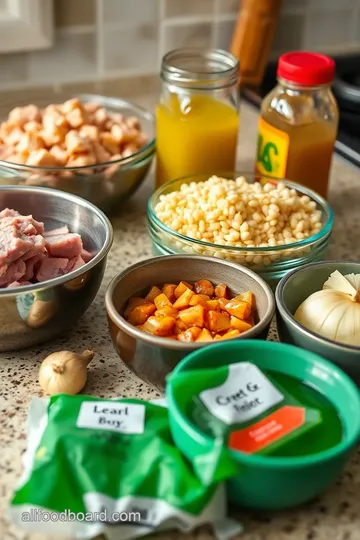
<point>120,417</point>
<point>245,394</point>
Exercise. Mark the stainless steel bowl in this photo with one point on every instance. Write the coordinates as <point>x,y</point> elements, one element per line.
<point>107,185</point>
<point>150,357</point>
<point>36,313</point>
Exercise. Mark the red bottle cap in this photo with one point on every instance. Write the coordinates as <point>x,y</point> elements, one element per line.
<point>307,68</point>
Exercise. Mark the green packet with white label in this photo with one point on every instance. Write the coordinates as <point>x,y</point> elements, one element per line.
<point>96,466</point>
<point>252,411</point>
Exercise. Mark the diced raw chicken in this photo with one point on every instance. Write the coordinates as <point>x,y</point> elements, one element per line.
<point>56,232</point>
<point>18,284</point>
<point>51,268</point>
<point>13,272</point>
<point>64,245</point>
<point>75,263</point>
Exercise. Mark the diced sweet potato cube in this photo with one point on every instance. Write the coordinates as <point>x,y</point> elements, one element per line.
<point>240,325</point>
<point>213,305</point>
<point>197,300</point>
<point>141,313</point>
<point>218,322</point>
<point>204,335</point>
<point>191,334</point>
<point>239,308</point>
<point>133,303</point>
<point>248,297</point>
<point>231,334</point>
<point>193,316</point>
<point>179,327</point>
<point>205,296</point>
<point>218,336</point>
<point>166,311</point>
<point>204,286</point>
<point>153,293</point>
<point>222,303</point>
<point>184,300</point>
<point>221,291</point>
<point>159,326</point>
<point>169,290</point>
<point>161,300</point>
<point>181,288</point>
<point>250,320</point>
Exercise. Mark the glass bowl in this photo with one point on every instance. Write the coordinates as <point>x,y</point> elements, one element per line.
<point>275,261</point>
<point>107,185</point>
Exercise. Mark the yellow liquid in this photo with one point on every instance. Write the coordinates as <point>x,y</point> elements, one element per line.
<point>195,135</point>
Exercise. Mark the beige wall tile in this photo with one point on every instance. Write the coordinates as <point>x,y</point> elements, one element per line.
<point>179,8</point>
<point>129,87</point>
<point>14,68</point>
<point>289,33</point>
<point>228,6</point>
<point>40,96</point>
<point>74,12</point>
<point>194,35</point>
<point>225,32</point>
<point>130,11</point>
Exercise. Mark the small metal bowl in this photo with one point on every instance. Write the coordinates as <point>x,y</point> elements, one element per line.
<point>107,185</point>
<point>292,290</point>
<point>33,314</point>
<point>150,357</point>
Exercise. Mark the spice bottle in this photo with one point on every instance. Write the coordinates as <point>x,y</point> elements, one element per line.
<point>197,119</point>
<point>298,122</point>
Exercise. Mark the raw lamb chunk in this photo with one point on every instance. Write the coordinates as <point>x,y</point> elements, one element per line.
<point>31,266</point>
<point>51,268</point>
<point>18,284</point>
<point>75,263</point>
<point>13,245</point>
<point>27,224</point>
<point>86,256</point>
<point>13,272</point>
<point>64,245</point>
<point>57,232</point>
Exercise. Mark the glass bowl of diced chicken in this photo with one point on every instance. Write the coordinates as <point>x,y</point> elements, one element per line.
<point>97,147</point>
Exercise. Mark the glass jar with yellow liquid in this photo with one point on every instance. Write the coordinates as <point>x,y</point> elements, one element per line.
<point>197,118</point>
<point>298,122</point>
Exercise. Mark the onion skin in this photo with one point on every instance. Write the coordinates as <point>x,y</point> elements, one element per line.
<point>64,372</point>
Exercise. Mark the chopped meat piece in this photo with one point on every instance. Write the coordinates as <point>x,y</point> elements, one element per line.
<point>75,263</point>
<point>86,255</point>
<point>51,268</point>
<point>13,272</point>
<point>26,224</point>
<point>18,284</point>
<point>13,245</point>
<point>64,245</point>
<point>31,264</point>
<point>57,232</point>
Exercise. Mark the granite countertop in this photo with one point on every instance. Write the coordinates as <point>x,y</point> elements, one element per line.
<point>334,516</point>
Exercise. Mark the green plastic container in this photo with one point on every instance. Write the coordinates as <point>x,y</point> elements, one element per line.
<point>274,483</point>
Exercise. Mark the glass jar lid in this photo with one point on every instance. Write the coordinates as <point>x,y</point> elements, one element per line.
<point>200,69</point>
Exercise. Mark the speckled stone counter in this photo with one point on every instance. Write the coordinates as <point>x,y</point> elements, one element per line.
<point>335,516</point>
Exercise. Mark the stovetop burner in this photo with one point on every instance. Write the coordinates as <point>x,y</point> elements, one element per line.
<point>346,89</point>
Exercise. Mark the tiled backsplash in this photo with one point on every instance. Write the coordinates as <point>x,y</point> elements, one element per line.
<point>100,41</point>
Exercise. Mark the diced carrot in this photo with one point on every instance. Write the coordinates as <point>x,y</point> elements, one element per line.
<point>159,326</point>
<point>166,311</point>
<point>240,325</point>
<point>239,308</point>
<point>184,300</point>
<point>169,290</point>
<point>193,316</point>
<point>204,286</point>
<point>213,305</point>
<point>222,302</point>
<point>231,334</point>
<point>197,300</point>
<point>190,335</point>
<point>141,313</point>
<point>153,293</point>
<point>221,291</point>
<point>251,320</point>
<point>248,297</point>
<point>161,300</point>
<point>179,327</point>
<point>204,335</point>
<point>182,287</point>
<point>218,322</point>
<point>218,336</point>
<point>133,303</point>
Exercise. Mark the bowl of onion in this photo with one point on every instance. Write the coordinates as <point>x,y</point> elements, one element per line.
<point>318,309</point>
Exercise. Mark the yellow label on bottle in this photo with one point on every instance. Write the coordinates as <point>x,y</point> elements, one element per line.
<point>272,150</point>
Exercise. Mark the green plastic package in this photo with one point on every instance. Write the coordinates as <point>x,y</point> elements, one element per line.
<point>96,466</point>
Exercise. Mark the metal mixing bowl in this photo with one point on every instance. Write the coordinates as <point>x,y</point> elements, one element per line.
<point>36,313</point>
<point>107,185</point>
<point>151,357</point>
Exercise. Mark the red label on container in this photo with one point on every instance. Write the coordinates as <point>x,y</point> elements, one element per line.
<point>268,430</point>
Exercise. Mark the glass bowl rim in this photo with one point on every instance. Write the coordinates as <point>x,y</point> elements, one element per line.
<point>325,209</point>
<point>105,102</point>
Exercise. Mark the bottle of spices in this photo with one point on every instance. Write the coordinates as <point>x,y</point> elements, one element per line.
<point>298,122</point>
<point>197,119</point>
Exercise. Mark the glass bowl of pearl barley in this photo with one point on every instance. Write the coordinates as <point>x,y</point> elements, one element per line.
<point>270,225</point>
